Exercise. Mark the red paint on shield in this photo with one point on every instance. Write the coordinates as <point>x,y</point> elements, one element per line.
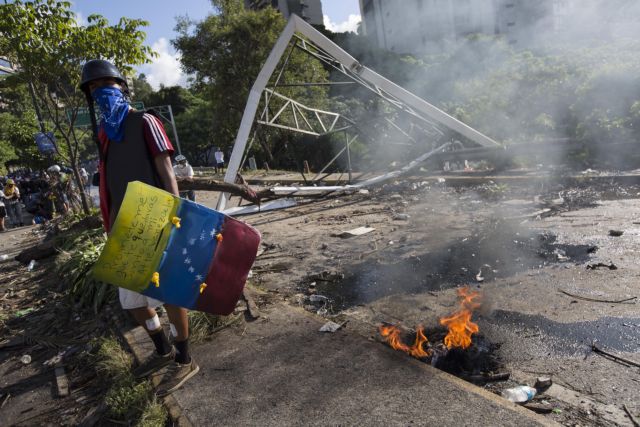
<point>233,258</point>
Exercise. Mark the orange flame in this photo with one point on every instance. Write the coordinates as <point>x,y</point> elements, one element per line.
<point>392,335</point>
<point>460,326</point>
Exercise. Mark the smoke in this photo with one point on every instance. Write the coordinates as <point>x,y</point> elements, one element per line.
<point>522,71</point>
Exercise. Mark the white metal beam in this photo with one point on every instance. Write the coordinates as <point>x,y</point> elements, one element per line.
<point>380,84</point>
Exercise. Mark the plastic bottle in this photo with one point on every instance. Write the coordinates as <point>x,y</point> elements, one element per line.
<point>31,265</point>
<point>4,257</point>
<point>519,394</point>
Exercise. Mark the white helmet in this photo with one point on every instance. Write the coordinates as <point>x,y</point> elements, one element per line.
<point>180,158</point>
<point>54,168</point>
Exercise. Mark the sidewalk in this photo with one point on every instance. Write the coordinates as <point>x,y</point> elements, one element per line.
<point>281,371</point>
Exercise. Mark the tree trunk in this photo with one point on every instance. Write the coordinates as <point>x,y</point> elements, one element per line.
<point>204,184</point>
<point>83,196</point>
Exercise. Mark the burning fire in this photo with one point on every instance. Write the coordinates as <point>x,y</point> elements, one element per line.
<point>417,350</point>
<point>460,326</point>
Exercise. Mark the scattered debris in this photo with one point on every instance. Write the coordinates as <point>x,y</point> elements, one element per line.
<point>594,266</point>
<point>613,357</point>
<point>631,417</point>
<point>23,312</point>
<point>4,257</point>
<point>4,401</point>
<point>487,378</point>
<point>331,327</point>
<point>538,408</point>
<point>318,298</point>
<point>622,301</point>
<point>401,217</point>
<point>355,232</point>
<point>26,359</point>
<point>616,233</point>
<point>542,383</point>
<point>252,307</point>
<point>31,265</point>
<point>62,382</point>
<point>519,394</point>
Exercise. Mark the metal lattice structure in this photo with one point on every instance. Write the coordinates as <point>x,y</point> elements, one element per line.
<point>300,35</point>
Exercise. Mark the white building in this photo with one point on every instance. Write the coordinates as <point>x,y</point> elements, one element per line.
<point>427,26</point>
<point>309,10</point>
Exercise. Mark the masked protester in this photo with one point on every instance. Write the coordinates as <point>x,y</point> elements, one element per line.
<point>12,203</point>
<point>134,147</point>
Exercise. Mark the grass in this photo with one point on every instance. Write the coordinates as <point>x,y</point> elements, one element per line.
<point>203,325</point>
<point>79,251</point>
<point>127,400</point>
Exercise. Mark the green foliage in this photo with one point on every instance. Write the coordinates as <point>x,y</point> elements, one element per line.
<point>225,53</point>
<point>44,39</point>
<point>111,361</point>
<point>203,325</point>
<point>79,252</point>
<point>126,399</point>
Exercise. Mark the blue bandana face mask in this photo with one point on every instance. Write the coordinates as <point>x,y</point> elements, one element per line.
<point>113,110</point>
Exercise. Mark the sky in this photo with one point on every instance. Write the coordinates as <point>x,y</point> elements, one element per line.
<point>339,16</point>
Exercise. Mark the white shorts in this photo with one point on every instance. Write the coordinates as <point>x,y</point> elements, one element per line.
<point>130,299</point>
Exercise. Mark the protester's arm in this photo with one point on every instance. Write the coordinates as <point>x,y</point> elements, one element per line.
<point>189,176</point>
<point>163,165</point>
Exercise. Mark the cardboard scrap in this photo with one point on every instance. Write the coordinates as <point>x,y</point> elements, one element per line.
<point>331,327</point>
<point>355,232</point>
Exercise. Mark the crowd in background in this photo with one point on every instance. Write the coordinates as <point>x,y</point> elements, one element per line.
<point>36,196</point>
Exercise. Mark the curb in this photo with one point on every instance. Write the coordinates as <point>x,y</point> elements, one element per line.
<point>133,339</point>
<point>441,375</point>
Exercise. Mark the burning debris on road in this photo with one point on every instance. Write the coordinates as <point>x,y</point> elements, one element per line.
<point>458,351</point>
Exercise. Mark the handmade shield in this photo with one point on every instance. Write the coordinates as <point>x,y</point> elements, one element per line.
<point>177,251</point>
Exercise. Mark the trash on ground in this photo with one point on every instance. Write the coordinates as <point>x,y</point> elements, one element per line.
<point>318,298</point>
<point>616,233</point>
<point>31,265</point>
<point>542,383</point>
<point>594,266</point>
<point>23,312</point>
<point>26,359</point>
<point>519,394</point>
<point>355,232</point>
<point>401,217</point>
<point>331,327</point>
<point>4,257</point>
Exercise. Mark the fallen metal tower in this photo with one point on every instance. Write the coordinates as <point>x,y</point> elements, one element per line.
<point>303,36</point>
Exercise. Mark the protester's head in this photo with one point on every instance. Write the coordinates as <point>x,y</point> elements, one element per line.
<point>10,182</point>
<point>99,73</point>
<point>54,171</point>
<point>181,160</point>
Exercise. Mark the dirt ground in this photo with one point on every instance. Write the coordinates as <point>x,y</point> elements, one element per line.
<point>538,253</point>
<point>556,275</point>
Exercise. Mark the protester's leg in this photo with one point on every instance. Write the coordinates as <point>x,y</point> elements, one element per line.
<point>185,367</point>
<point>12,214</point>
<point>1,223</point>
<point>180,321</point>
<point>19,213</point>
<point>146,316</point>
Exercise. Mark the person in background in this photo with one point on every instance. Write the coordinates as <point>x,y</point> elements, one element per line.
<point>57,195</point>
<point>12,203</point>
<point>134,147</point>
<point>3,212</point>
<point>84,176</point>
<point>219,157</point>
<point>184,172</point>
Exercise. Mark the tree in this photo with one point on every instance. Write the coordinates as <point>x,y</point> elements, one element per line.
<point>49,46</point>
<point>225,53</point>
<point>141,88</point>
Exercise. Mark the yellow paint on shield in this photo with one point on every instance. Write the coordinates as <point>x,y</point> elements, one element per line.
<point>138,237</point>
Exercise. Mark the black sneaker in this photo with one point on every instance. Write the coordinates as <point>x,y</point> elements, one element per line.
<point>177,374</point>
<point>154,363</point>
